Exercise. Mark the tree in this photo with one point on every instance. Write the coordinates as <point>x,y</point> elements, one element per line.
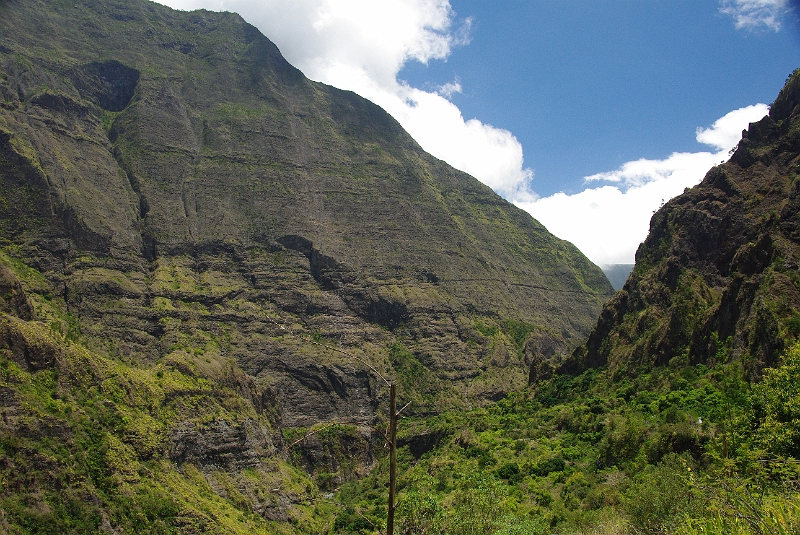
<point>775,404</point>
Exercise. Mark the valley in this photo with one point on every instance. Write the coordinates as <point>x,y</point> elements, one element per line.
<point>211,268</point>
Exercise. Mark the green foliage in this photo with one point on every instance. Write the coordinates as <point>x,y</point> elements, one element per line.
<point>575,489</point>
<point>420,514</point>
<point>418,385</point>
<point>662,496</point>
<point>514,330</point>
<point>475,506</point>
<point>510,472</point>
<point>775,414</point>
<point>95,441</point>
<point>734,506</point>
<point>486,329</point>
<point>593,454</point>
<point>518,332</point>
<point>793,326</point>
<point>548,466</point>
<point>351,521</point>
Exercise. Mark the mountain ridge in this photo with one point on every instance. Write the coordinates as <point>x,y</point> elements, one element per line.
<point>179,200</point>
<point>716,278</point>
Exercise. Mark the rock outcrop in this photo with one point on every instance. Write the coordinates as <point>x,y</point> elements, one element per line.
<point>718,277</point>
<point>181,186</point>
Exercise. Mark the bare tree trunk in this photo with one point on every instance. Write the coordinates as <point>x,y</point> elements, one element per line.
<point>392,457</point>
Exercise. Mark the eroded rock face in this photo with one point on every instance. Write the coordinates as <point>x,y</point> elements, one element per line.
<point>12,296</point>
<point>310,393</point>
<point>341,455</point>
<point>718,276</point>
<point>221,445</point>
<point>31,353</point>
<point>184,197</point>
<point>109,84</point>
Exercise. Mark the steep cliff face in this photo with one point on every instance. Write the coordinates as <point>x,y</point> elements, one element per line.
<point>185,197</point>
<point>718,276</point>
<point>182,186</point>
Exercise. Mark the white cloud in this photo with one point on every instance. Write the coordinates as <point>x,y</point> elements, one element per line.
<point>449,89</point>
<point>362,45</point>
<point>756,13</point>
<point>727,130</point>
<point>490,154</point>
<point>608,222</point>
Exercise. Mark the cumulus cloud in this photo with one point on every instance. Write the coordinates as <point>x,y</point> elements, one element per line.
<point>608,222</point>
<point>756,13</point>
<point>362,45</point>
<point>727,130</point>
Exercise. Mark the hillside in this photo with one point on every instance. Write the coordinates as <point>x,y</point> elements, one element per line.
<point>679,415</point>
<point>203,254</point>
<point>717,277</point>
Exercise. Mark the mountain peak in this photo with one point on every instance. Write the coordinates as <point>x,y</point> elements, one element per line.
<point>156,158</point>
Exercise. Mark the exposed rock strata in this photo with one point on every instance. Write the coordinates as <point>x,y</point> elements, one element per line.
<point>182,190</point>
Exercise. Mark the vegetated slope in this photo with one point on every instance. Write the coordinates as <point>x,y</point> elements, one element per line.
<point>679,449</point>
<point>176,198</point>
<point>90,444</point>
<point>717,277</point>
<point>681,414</point>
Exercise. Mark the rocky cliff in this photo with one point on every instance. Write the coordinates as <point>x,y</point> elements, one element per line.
<point>176,198</point>
<point>718,277</point>
<point>181,185</point>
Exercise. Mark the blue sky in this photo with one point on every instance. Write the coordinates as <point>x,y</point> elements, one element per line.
<point>586,86</point>
<point>587,114</point>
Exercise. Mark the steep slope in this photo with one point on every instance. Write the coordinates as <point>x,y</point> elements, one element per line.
<point>185,195</point>
<point>89,444</point>
<point>718,276</point>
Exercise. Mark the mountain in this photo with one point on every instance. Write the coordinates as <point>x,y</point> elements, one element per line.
<point>617,274</point>
<point>203,254</point>
<point>180,184</point>
<point>717,277</point>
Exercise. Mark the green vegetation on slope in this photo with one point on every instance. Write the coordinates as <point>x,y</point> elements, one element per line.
<point>89,443</point>
<point>719,265</point>
<point>681,449</point>
<point>85,444</point>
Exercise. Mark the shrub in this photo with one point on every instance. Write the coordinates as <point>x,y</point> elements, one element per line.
<point>508,471</point>
<point>661,495</point>
<point>349,521</point>
<point>554,464</point>
<point>775,414</point>
<point>420,514</point>
<point>575,490</point>
<point>476,507</point>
